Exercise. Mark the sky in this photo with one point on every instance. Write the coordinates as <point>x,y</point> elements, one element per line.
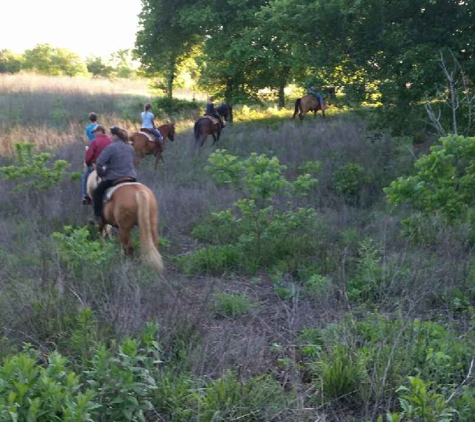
<point>87,27</point>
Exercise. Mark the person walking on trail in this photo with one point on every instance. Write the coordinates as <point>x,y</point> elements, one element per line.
<point>148,123</point>
<point>91,126</point>
<point>317,95</point>
<point>116,162</point>
<point>211,111</point>
<point>98,144</point>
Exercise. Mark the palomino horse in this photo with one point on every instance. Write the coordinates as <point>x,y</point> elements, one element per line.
<point>144,146</point>
<point>308,103</point>
<point>133,204</point>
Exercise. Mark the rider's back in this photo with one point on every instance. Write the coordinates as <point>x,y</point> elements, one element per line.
<point>118,158</point>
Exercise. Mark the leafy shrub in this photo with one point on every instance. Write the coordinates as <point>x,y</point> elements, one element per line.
<point>349,180</point>
<point>32,170</point>
<point>231,305</point>
<point>80,252</point>
<point>29,392</point>
<point>444,182</point>
<point>421,403</point>
<point>317,286</point>
<point>213,260</point>
<point>257,233</point>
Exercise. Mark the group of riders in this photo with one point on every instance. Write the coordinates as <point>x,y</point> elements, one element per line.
<point>114,157</point>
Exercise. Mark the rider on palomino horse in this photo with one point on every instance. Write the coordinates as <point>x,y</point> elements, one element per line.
<point>211,111</point>
<point>148,123</point>
<point>98,144</point>
<point>114,165</point>
<point>317,95</point>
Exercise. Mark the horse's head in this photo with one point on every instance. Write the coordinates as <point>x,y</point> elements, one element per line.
<point>223,111</point>
<point>171,131</point>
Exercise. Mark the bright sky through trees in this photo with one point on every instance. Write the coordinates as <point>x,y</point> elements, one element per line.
<point>87,27</point>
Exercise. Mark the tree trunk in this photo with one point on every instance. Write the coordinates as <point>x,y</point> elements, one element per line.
<point>171,78</point>
<point>229,98</point>
<point>281,96</point>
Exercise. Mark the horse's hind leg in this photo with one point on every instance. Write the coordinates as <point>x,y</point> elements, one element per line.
<point>126,242</point>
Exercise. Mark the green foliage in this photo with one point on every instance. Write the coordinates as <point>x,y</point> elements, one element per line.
<point>257,233</point>
<point>341,374</point>
<point>349,180</point>
<point>230,305</point>
<point>229,398</point>
<point>122,376</point>
<point>317,286</point>
<point>444,183</point>
<point>29,392</point>
<point>213,260</point>
<point>369,274</point>
<point>421,403</point>
<point>32,171</point>
<point>10,62</point>
<point>53,61</point>
<point>78,251</point>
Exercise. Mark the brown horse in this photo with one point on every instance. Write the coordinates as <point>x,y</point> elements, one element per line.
<point>130,205</point>
<point>143,146</point>
<point>309,103</point>
<point>205,126</point>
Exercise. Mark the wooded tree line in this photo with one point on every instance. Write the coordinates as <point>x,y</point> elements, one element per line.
<point>48,60</point>
<point>387,47</point>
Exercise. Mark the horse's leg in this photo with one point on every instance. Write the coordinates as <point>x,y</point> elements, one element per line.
<point>214,138</point>
<point>323,113</point>
<point>314,113</point>
<point>125,241</point>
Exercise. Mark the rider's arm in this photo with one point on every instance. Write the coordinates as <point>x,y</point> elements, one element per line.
<point>90,153</point>
<point>102,160</point>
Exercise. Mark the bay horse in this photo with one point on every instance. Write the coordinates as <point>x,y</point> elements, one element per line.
<point>143,146</point>
<point>309,103</point>
<point>132,204</point>
<point>205,126</point>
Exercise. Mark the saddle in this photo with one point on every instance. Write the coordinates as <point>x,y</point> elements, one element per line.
<point>148,133</point>
<point>213,119</point>
<point>117,185</point>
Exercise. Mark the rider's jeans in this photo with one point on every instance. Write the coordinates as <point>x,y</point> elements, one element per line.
<point>84,177</point>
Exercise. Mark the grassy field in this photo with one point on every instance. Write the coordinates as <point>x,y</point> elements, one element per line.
<point>326,334</point>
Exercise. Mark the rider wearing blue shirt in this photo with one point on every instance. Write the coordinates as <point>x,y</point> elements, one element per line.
<point>317,95</point>
<point>90,127</point>
<point>148,123</point>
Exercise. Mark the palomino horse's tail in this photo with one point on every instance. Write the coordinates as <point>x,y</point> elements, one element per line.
<point>297,107</point>
<point>148,250</point>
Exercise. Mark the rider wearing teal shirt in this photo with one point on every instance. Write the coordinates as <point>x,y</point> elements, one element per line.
<point>90,127</point>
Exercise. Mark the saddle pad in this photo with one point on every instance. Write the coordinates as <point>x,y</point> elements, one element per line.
<point>110,191</point>
<point>150,137</point>
<point>213,119</point>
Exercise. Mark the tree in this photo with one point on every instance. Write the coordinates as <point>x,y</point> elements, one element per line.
<point>53,61</point>
<point>10,62</point>
<point>164,41</point>
<point>97,67</point>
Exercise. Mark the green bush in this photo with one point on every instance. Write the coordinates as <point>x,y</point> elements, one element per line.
<point>213,260</point>
<point>230,305</point>
<point>256,232</point>
<point>351,179</point>
<point>444,183</point>
<point>29,392</point>
<point>32,170</point>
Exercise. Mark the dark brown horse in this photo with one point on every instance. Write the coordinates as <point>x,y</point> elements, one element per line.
<point>309,103</point>
<point>131,205</point>
<point>205,126</point>
<point>144,146</point>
